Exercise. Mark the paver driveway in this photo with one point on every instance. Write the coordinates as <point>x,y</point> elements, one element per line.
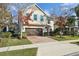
<point>40,39</point>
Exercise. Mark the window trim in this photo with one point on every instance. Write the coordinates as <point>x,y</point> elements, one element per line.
<point>35,17</point>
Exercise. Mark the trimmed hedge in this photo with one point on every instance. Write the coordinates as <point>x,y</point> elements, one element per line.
<point>6,34</point>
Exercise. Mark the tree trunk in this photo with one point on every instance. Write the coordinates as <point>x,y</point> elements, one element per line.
<point>20,30</point>
<point>61,32</point>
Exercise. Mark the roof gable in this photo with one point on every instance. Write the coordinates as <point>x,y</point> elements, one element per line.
<point>35,5</point>
<point>40,9</point>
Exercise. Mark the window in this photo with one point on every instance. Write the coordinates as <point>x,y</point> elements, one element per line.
<point>41,18</point>
<point>78,24</point>
<point>27,14</point>
<point>35,17</point>
<point>48,21</point>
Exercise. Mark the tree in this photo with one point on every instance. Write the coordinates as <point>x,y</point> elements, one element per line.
<point>70,23</point>
<point>77,10</point>
<point>71,20</point>
<point>24,20</point>
<point>5,16</point>
<point>61,24</point>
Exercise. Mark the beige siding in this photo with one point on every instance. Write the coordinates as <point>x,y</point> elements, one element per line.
<point>38,13</point>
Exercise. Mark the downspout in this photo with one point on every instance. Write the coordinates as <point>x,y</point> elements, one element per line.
<point>7,28</point>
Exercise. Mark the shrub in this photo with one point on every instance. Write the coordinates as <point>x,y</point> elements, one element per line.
<point>3,42</point>
<point>6,34</point>
<point>24,36</point>
<point>56,31</point>
<point>45,33</point>
<point>15,34</point>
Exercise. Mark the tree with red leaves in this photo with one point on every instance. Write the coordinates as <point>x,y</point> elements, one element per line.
<point>23,20</point>
<point>61,22</point>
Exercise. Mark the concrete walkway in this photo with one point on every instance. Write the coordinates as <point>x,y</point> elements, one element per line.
<point>48,48</point>
<point>57,49</point>
<point>40,39</point>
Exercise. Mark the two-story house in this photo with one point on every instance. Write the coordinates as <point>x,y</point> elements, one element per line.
<point>39,22</point>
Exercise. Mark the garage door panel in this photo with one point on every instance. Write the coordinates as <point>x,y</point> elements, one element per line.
<point>33,32</point>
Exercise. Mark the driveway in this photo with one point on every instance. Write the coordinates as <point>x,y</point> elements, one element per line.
<point>40,39</point>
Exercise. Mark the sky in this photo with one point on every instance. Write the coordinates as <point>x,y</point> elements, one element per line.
<point>50,8</point>
<point>56,8</point>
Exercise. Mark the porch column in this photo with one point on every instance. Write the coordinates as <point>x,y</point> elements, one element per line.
<point>42,32</point>
<point>21,30</point>
<point>48,31</point>
<point>7,28</point>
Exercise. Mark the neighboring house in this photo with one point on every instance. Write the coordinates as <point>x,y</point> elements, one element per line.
<point>53,20</point>
<point>77,24</point>
<point>39,22</point>
<point>51,23</point>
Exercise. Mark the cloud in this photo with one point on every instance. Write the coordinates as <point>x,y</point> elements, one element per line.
<point>71,5</point>
<point>14,8</point>
<point>51,9</point>
<point>67,4</point>
<point>47,12</point>
<point>64,8</point>
<point>74,14</point>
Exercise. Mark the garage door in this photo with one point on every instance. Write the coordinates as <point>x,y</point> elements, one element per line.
<point>33,32</point>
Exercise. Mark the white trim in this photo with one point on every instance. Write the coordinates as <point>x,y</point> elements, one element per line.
<point>33,26</point>
<point>40,9</point>
<point>37,7</point>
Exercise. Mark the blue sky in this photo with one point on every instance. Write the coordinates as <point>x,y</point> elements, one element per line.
<point>54,8</point>
<point>50,7</point>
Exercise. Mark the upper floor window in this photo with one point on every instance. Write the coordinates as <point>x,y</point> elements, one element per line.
<point>48,22</point>
<point>35,17</point>
<point>27,14</point>
<point>78,23</point>
<point>41,18</point>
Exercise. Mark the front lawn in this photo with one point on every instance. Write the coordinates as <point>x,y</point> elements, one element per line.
<point>23,52</point>
<point>13,42</point>
<point>57,37</point>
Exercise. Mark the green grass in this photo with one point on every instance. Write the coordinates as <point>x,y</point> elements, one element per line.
<point>13,42</point>
<point>57,37</point>
<point>23,52</point>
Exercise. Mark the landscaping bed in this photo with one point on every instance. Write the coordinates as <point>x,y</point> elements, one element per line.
<point>75,43</point>
<point>23,52</point>
<point>57,37</point>
<point>13,42</point>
